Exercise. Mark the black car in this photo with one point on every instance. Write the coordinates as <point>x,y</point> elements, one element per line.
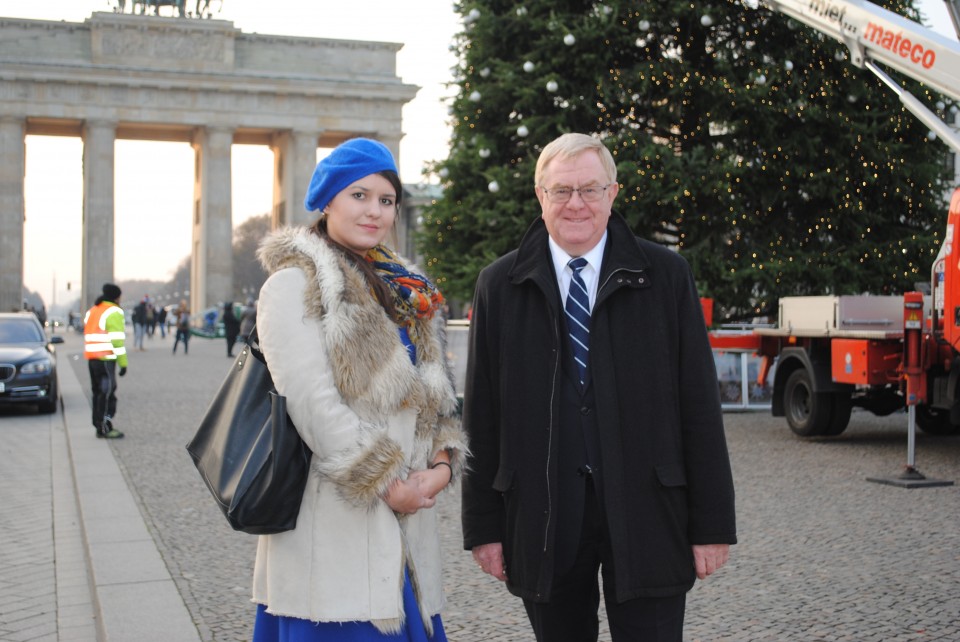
<point>28,369</point>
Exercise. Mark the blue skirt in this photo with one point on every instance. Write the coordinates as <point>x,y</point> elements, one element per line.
<point>278,628</point>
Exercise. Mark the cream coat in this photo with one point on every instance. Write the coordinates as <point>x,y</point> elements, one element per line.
<point>370,417</point>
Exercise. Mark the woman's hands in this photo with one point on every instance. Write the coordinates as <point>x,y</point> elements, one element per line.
<point>433,479</point>
<point>406,496</point>
<point>419,489</point>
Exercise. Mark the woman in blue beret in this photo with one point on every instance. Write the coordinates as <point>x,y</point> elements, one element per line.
<point>355,341</point>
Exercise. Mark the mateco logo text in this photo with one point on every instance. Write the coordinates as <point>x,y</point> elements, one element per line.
<point>895,43</point>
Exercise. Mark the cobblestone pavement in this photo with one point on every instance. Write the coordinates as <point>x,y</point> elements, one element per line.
<point>27,569</point>
<point>823,554</point>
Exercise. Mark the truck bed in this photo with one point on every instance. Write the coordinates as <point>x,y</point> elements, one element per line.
<point>846,317</point>
<point>838,334</point>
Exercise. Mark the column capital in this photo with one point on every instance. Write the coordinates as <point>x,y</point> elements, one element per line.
<point>212,133</point>
<point>99,123</point>
<point>9,119</point>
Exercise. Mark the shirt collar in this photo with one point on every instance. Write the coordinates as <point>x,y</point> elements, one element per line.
<point>560,258</point>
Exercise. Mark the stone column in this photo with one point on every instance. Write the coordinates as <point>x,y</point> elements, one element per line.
<point>211,274</point>
<point>98,209</point>
<point>12,172</point>
<point>294,159</point>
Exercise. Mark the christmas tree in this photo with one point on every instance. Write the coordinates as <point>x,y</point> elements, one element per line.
<point>744,139</point>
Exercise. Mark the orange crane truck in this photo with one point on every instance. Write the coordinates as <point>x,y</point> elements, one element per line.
<point>881,353</point>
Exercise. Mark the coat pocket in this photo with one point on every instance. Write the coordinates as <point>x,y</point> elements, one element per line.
<point>503,481</point>
<point>671,475</point>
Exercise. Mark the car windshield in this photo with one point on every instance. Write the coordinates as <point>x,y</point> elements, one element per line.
<point>20,331</point>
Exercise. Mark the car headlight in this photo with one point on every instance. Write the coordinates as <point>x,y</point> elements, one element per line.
<point>36,367</point>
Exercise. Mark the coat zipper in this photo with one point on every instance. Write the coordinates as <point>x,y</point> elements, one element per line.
<point>553,393</point>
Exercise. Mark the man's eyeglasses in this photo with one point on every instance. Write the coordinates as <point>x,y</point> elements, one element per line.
<point>590,194</point>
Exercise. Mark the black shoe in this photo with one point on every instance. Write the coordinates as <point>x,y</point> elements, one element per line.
<point>108,431</point>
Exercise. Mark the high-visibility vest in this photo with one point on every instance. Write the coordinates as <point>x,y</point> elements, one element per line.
<point>103,333</point>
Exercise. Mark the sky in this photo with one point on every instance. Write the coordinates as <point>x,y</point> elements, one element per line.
<point>154,180</point>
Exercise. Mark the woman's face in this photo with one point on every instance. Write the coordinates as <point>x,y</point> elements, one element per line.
<point>360,216</point>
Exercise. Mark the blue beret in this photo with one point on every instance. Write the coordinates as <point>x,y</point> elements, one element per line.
<point>351,160</point>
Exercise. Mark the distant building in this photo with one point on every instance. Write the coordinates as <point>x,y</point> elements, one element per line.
<point>415,198</point>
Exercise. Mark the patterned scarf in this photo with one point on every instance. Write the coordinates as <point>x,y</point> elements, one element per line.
<point>414,296</point>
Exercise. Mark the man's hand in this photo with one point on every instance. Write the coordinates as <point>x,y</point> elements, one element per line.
<point>708,558</point>
<point>123,370</point>
<point>489,557</point>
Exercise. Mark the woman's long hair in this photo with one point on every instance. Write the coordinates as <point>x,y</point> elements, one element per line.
<point>381,291</point>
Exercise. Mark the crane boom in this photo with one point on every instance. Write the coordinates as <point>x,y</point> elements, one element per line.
<point>876,35</point>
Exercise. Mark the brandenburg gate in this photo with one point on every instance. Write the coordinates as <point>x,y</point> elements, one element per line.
<point>124,76</point>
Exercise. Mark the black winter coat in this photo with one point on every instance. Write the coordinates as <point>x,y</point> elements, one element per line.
<point>666,474</point>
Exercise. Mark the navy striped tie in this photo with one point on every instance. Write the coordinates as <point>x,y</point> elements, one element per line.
<point>578,317</point>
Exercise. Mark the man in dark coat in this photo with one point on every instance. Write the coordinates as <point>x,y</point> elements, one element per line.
<point>618,463</point>
<point>231,326</point>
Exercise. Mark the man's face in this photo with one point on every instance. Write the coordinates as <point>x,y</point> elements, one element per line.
<point>576,226</point>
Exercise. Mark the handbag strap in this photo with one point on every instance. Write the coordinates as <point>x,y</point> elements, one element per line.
<point>253,343</point>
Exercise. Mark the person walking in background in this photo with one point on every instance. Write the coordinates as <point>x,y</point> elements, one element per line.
<point>592,409</point>
<point>161,317</point>
<point>151,322</point>
<point>139,324</point>
<point>355,343</point>
<point>248,319</point>
<point>183,328</point>
<point>231,326</point>
<point>103,347</point>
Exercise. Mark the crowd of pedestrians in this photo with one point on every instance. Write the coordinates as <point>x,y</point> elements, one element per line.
<point>148,317</point>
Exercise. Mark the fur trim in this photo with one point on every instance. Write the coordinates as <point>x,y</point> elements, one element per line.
<point>365,473</point>
<point>451,437</point>
<point>371,367</point>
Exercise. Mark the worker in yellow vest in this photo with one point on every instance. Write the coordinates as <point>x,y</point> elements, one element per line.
<point>103,337</point>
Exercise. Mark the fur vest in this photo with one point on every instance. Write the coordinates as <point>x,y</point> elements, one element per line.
<point>370,416</point>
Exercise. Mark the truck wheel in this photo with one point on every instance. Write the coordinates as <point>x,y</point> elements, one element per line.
<point>808,413</point>
<point>935,421</point>
<point>840,417</point>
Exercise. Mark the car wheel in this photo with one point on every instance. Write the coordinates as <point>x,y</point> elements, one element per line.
<point>49,405</point>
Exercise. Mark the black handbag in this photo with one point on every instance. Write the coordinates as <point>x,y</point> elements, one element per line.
<point>248,451</point>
